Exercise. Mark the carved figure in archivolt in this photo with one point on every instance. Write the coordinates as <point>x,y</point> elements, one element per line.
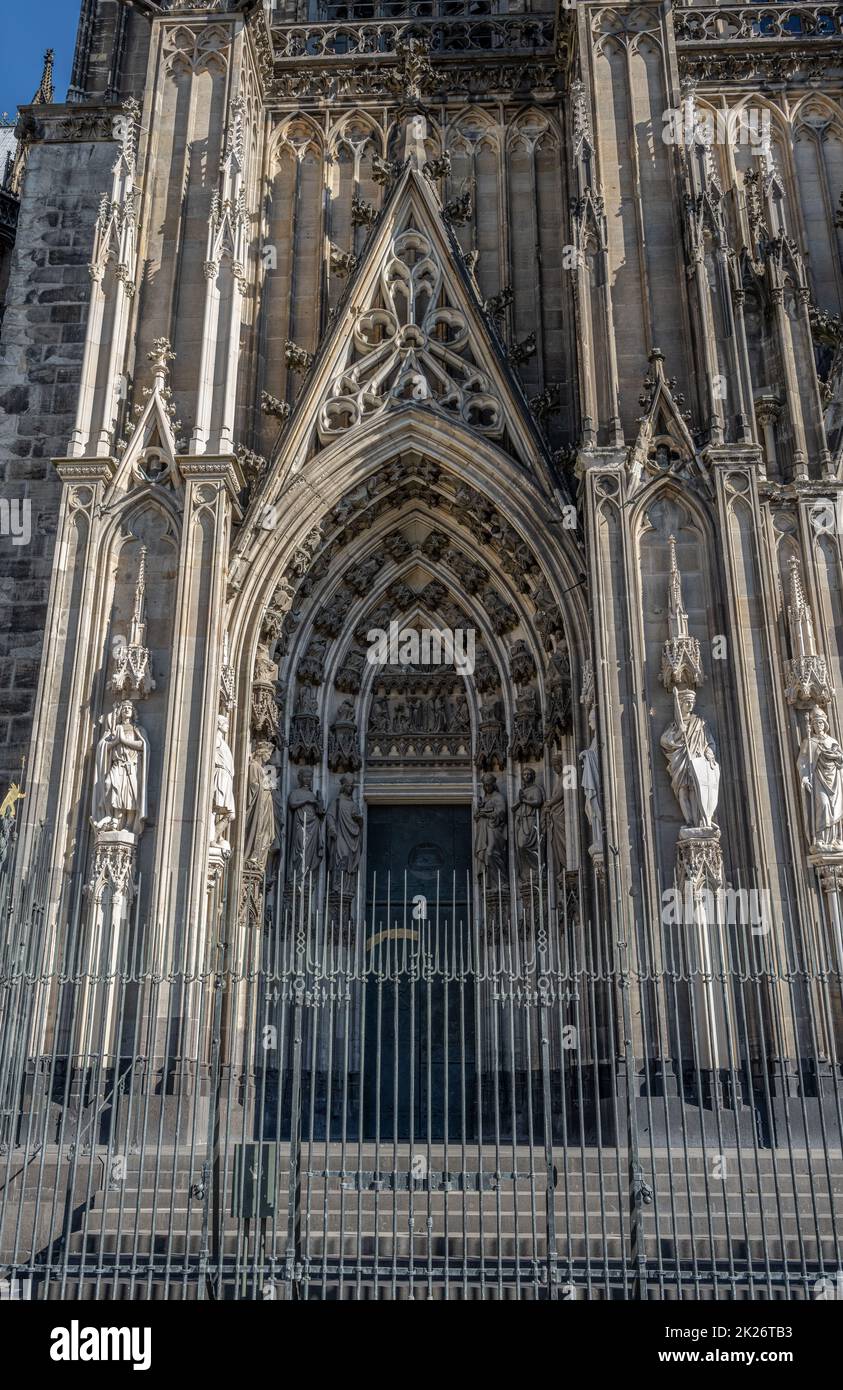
<point>343,744</point>
<point>345,832</point>
<point>305,828</point>
<point>490,832</point>
<point>122,764</point>
<point>820,767</point>
<point>691,763</point>
<point>527,825</point>
<point>222,804</point>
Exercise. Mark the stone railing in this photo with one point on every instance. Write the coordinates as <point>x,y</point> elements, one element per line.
<point>722,25</point>
<point>522,35</point>
<point>358,11</point>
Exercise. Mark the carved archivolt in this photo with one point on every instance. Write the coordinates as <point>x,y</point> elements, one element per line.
<point>410,346</point>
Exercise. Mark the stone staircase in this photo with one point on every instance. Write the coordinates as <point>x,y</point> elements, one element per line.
<point>385,1221</point>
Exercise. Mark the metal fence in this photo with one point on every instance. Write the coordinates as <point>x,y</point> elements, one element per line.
<point>445,1105</point>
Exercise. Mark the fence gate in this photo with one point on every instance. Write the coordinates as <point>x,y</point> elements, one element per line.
<point>433,1104</point>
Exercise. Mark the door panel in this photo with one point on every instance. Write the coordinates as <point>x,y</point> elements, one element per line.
<point>419,1074</point>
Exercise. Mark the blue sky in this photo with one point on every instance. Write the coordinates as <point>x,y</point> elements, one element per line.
<point>27,27</point>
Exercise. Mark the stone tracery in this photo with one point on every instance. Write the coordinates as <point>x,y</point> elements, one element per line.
<point>412,346</point>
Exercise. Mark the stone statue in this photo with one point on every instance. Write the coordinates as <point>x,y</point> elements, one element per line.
<point>590,782</point>
<point>305,831</point>
<point>691,763</point>
<point>260,830</point>
<point>8,812</point>
<point>490,834</point>
<point>528,827</point>
<point>438,714</point>
<point>122,768</point>
<point>222,803</point>
<point>553,819</point>
<point>820,765</point>
<point>379,717</point>
<point>345,833</point>
<point>461,715</point>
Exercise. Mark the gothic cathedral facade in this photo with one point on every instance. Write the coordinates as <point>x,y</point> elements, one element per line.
<point>432,420</point>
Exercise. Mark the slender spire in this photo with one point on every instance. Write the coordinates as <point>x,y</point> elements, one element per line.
<point>799,616</point>
<point>138,632</point>
<point>681,665</point>
<point>677,617</point>
<point>44,95</point>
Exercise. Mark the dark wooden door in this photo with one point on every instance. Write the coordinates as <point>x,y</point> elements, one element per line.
<point>419,1052</point>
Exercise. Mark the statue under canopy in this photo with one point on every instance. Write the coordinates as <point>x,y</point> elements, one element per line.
<point>345,832</point>
<point>260,831</point>
<point>691,763</point>
<point>553,818</point>
<point>222,802</point>
<point>490,835</point>
<point>590,782</point>
<point>122,769</point>
<point>527,824</point>
<point>305,829</point>
<point>820,765</point>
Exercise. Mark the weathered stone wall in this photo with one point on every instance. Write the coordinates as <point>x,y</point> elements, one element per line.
<point>40,366</point>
